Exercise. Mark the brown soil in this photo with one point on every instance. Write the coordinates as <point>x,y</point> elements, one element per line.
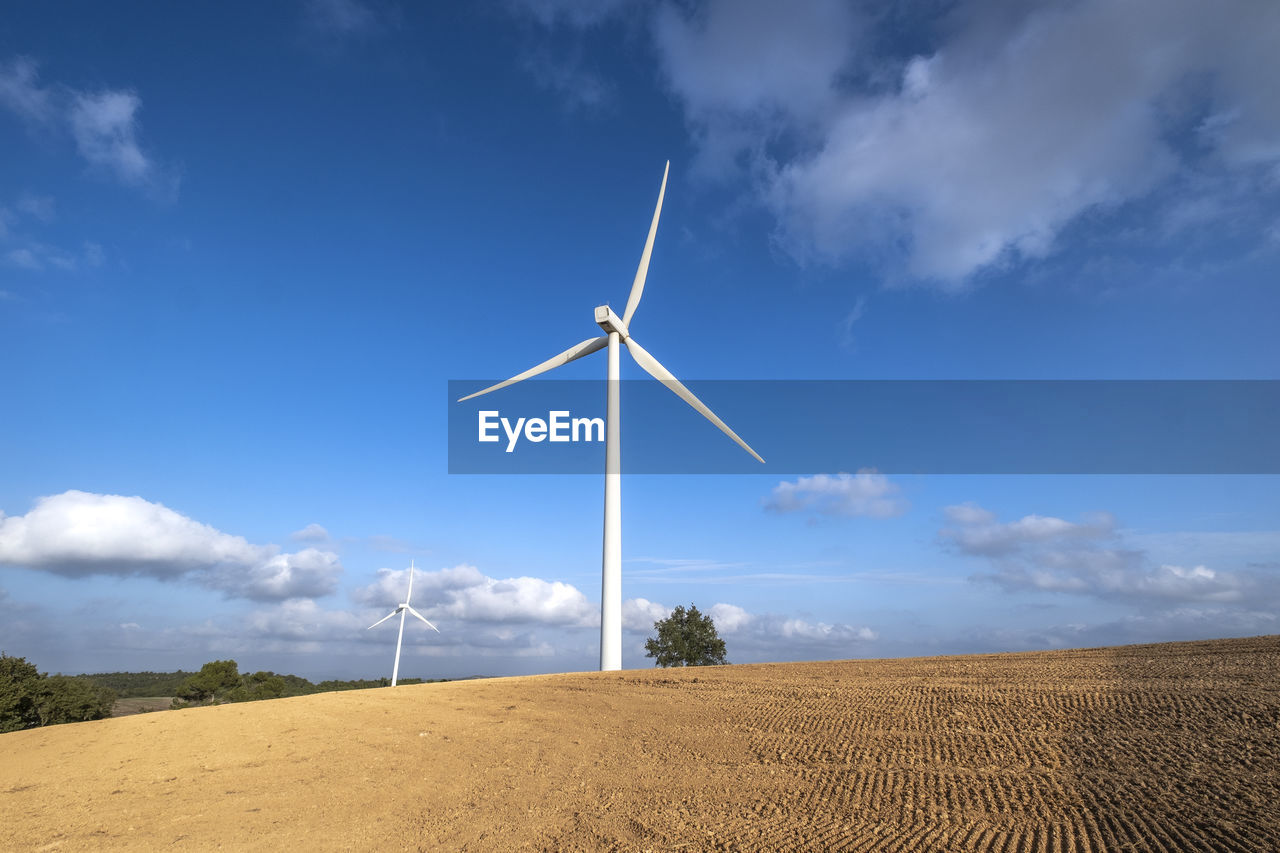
<point>1173,747</point>
<point>141,705</point>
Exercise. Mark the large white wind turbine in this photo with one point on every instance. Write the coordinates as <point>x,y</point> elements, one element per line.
<point>403,610</point>
<point>616,330</point>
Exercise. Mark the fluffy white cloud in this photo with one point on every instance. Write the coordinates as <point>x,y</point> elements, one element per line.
<point>729,618</point>
<point>305,621</point>
<point>80,533</point>
<point>103,124</point>
<point>473,610</point>
<point>985,135</point>
<point>863,494</point>
<point>1090,558</point>
<point>975,530</point>
<point>990,143</point>
<point>463,593</point>
<point>639,614</point>
<point>773,636</point>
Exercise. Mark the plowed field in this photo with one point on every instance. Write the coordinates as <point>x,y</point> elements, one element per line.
<point>1172,747</point>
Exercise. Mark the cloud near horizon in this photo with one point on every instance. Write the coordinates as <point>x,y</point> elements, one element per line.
<point>1090,557</point>
<point>465,599</point>
<point>77,534</point>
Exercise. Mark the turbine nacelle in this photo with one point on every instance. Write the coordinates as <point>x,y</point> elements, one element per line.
<point>611,322</point>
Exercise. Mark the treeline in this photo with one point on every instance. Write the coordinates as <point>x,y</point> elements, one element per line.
<point>133,685</point>
<point>222,680</point>
<point>219,682</point>
<point>30,698</point>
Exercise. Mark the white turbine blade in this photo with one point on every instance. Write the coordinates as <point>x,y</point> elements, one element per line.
<point>637,286</point>
<point>409,595</point>
<point>384,619</point>
<point>423,618</point>
<point>657,371</point>
<point>573,353</point>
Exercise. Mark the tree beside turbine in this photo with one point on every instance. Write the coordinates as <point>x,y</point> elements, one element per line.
<point>403,609</point>
<point>617,331</point>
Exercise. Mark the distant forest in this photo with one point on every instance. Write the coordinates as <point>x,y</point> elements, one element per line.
<point>221,681</point>
<point>30,698</point>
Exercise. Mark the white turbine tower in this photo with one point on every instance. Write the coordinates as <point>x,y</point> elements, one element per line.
<point>616,331</point>
<point>403,610</point>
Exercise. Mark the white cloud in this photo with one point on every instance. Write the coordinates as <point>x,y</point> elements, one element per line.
<point>103,124</point>
<point>985,145</point>
<point>729,618</point>
<point>976,531</point>
<point>311,533</point>
<point>639,614</point>
<point>863,494</point>
<point>968,513</point>
<point>23,259</point>
<point>754,57</point>
<point>464,593</point>
<point>825,633</point>
<point>772,636</point>
<point>105,130</point>
<point>468,607</point>
<point>1091,558</point>
<point>76,533</point>
<point>21,93</point>
<point>846,325</point>
<point>303,620</point>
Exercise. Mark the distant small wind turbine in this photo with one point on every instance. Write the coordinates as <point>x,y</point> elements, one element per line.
<point>402,609</point>
<point>617,330</point>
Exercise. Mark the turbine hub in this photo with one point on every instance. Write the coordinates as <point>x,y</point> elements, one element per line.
<point>610,321</point>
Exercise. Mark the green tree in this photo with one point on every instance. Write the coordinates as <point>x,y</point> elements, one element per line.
<point>29,698</point>
<point>686,638</point>
<point>62,699</point>
<point>211,684</point>
<point>260,685</point>
<point>19,689</point>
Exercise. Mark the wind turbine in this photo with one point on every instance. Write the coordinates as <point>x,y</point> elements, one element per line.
<point>617,331</point>
<point>402,609</point>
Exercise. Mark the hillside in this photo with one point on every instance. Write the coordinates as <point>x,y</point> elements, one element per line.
<point>1162,748</point>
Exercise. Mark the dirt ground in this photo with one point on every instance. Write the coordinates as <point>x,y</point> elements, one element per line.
<point>1172,747</point>
<point>141,705</point>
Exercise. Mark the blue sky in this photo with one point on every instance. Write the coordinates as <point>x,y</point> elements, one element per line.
<point>243,250</point>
